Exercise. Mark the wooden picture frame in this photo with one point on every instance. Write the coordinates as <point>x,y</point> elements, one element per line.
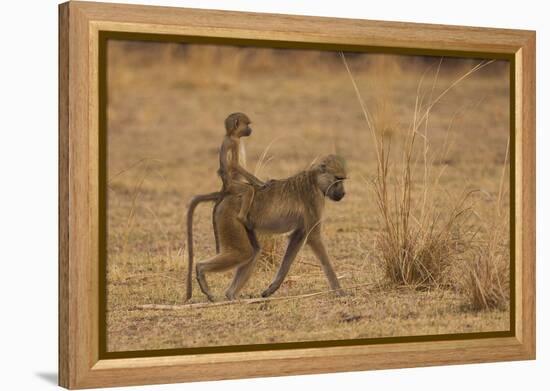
<point>81,364</point>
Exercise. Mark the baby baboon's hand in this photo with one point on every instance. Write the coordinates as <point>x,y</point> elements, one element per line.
<point>267,184</point>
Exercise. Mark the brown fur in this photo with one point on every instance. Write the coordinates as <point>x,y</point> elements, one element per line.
<point>231,172</point>
<point>237,125</point>
<point>292,205</point>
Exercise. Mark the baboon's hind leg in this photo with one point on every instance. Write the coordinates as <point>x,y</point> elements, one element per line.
<point>203,284</point>
<point>218,263</point>
<point>243,273</point>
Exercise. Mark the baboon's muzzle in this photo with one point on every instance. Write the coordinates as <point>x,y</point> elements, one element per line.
<point>337,195</point>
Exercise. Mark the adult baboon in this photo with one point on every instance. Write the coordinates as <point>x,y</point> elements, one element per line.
<point>292,205</point>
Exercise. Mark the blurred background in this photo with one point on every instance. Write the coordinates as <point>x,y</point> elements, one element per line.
<point>166,107</point>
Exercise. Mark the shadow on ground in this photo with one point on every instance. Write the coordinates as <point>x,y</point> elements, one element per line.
<point>48,377</point>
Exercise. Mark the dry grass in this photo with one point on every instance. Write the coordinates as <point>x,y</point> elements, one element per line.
<point>164,128</point>
<point>418,241</point>
<point>488,283</point>
<point>488,274</point>
<point>272,250</point>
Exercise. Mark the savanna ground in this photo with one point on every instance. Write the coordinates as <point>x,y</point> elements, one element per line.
<point>166,106</point>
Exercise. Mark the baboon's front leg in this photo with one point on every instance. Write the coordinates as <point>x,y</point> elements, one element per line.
<point>294,244</point>
<point>315,241</point>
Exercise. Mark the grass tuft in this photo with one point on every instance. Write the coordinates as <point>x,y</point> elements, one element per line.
<point>487,283</point>
<point>419,240</point>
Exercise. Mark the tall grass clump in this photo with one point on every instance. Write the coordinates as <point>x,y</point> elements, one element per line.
<point>488,274</point>
<point>418,240</point>
<point>487,277</point>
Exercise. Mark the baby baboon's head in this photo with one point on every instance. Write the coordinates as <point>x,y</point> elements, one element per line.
<point>331,173</point>
<point>238,125</point>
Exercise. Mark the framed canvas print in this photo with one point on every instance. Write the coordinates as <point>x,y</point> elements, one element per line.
<point>249,195</point>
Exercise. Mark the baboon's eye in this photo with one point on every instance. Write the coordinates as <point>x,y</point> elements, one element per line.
<point>340,178</point>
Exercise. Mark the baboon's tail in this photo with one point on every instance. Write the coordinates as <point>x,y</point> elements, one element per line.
<point>215,225</point>
<point>192,205</point>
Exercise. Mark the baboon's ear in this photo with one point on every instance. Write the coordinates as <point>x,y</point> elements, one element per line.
<point>322,168</point>
<point>231,124</point>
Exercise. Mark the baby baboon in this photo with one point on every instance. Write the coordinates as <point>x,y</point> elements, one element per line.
<point>237,125</point>
<point>292,205</point>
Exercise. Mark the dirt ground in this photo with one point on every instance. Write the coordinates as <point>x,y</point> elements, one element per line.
<point>166,106</point>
